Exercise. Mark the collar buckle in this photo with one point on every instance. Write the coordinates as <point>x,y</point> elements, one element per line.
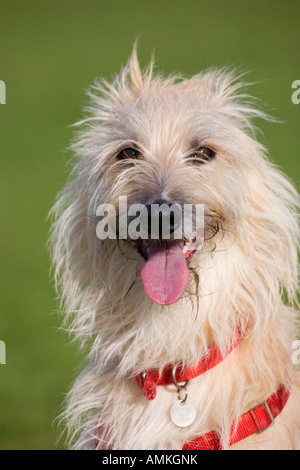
<point>269,412</point>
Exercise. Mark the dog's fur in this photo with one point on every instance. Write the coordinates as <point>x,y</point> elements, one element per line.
<point>245,275</point>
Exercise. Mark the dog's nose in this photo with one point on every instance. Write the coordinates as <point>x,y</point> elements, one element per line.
<point>163,219</point>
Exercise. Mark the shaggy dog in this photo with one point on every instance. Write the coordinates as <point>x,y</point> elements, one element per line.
<point>183,141</point>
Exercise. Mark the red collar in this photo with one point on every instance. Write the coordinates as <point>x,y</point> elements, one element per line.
<point>257,420</point>
<point>149,379</point>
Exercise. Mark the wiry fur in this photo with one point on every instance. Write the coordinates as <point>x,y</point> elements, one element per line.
<point>245,269</point>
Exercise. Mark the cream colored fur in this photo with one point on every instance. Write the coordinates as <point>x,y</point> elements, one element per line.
<point>240,276</point>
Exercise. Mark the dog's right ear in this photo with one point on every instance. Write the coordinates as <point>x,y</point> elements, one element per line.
<point>108,96</point>
<point>131,76</point>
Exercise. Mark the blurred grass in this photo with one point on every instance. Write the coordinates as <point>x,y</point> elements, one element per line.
<point>49,53</point>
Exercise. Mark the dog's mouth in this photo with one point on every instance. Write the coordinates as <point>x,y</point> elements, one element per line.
<point>165,273</point>
<point>189,246</point>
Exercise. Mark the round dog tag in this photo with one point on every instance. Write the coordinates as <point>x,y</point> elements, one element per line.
<point>183,414</point>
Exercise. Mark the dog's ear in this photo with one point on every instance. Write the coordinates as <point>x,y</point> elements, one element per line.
<point>226,92</point>
<point>131,76</point>
<point>106,97</point>
<point>132,79</point>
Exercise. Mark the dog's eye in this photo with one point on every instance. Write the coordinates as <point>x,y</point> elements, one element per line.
<point>128,153</point>
<point>204,154</point>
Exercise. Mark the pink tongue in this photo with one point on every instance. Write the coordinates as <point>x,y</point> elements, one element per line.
<point>165,274</point>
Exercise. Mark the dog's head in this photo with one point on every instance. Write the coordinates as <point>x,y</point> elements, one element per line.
<point>189,143</point>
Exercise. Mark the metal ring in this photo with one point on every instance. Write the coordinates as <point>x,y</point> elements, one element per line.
<point>143,376</point>
<point>182,400</point>
<point>179,387</point>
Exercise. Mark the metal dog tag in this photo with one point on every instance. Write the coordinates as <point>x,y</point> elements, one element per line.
<point>183,414</point>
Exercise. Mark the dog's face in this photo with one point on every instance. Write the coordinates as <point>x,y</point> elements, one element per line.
<point>174,144</point>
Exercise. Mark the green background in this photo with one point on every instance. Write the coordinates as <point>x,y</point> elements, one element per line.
<point>49,53</point>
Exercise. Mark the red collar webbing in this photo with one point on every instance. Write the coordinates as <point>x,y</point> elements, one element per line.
<point>149,379</point>
<point>256,420</point>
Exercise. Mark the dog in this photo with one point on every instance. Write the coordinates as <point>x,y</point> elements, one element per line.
<point>189,346</point>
